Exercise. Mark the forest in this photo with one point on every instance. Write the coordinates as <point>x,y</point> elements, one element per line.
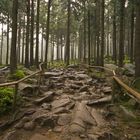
<point>69,69</point>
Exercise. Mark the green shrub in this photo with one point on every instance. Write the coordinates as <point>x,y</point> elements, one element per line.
<point>19,74</point>
<point>6,99</point>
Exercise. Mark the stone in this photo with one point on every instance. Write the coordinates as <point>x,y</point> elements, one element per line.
<point>107,89</point>
<point>81,118</point>
<point>100,101</point>
<point>29,126</point>
<point>12,135</point>
<point>82,76</point>
<point>127,113</point>
<point>48,96</point>
<point>60,110</point>
<point>61,103</point>
<point>46,106</point>
<point>47,120</point>
<point>52,74</point>
<point>83,88</point>
<point>38,137</point>
<point>22,122</point>
<point>64,119</point>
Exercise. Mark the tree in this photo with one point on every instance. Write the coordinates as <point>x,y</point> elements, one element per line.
<point>121,41</point>
<point>68,35</point>
<point>32,33</point>
<point>47,31</point>
<point>137,40</point>
<point>102,32</point>
<point>27,35</point>
<point>13,57</point>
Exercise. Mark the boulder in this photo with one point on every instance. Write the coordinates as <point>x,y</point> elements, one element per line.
<point>48,96</point>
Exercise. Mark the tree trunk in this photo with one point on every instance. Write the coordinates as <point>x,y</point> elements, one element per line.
<point>121,41</point>
<point>47,31</point>
<point>19,40</point>
<point>27,35</point>
<point>137,40</point>
<point>89,35</point>
<point>7,53</point>
<point>132,34</point>
<point>68,35</point>
<point>37,34</point>
<point>114,35</point>
<point>32,34</point>
<point>23,42</point>
<point>1,52</point>
<point>13,58</point>
<point>102,32</point>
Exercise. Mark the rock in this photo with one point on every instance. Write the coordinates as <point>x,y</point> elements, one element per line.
<point>52,74</point>
<point>81,118</point>
<point>127,113</point>
<point>101,100</point>
<point>29,126</point>
<point>38,137</point>
<point>12,135</point>
<point>58,129</point>
<point>73,86</point>
<point>70,106</point>
<point>64,119</point>
<point>47,120</point>
<point>46,106</point>
<point>107,89</point>
<point>60,110</point>
<point>98,117</point>
<point>30,112</point>
<point>22,122</point>
<point>61,103</point>
<point>28,90</point>
<point>83,88</point>
<point>48,96</point>
<point>82,76</point>
<point>108,136</point>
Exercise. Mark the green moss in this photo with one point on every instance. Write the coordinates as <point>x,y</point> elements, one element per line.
<point>6,99</point>
<point>19,74</point>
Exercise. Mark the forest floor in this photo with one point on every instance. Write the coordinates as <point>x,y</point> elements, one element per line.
<point>71,105</point>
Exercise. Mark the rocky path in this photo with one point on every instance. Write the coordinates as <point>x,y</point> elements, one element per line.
<point>70,106</point>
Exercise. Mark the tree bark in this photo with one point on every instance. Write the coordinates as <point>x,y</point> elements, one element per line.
<point>137,40</point>
<point>121,41</point>
<point>47,31</point>
<point>27,35</point>
<point>13,56</point>
<point>37,34</point>
<point>32,34</point>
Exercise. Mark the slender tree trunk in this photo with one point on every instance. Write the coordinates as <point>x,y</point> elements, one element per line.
<point>42,45</point>
<point>23,42</point>
<point>121,41</point>
<point>27,35</point>
<point>13,58</point>
<point>37,34</point>
<point>98,32</point>
<point>132,34</point>
<point>7,53</point>
<point>47,31</point>
<point>89,35</point>
<point>1,58</point>
<point>32,34</point>
<point>84,31</point>
<point>102,32</point>
<point>114,35</point>
<point>19,40</point>
<point>68,35</point>
<point>137,40</point>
